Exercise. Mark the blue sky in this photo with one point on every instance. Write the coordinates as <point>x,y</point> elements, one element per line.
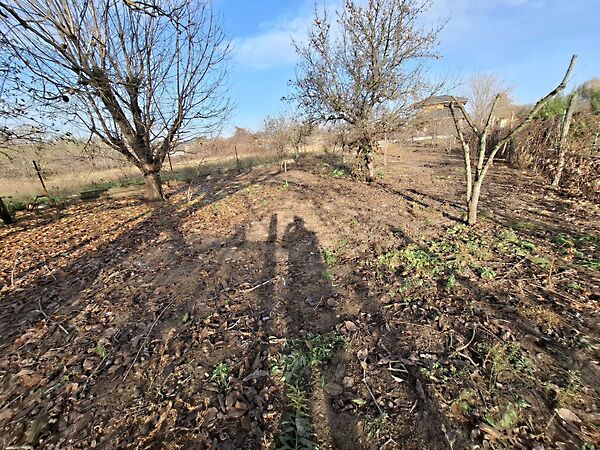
<point>528,43</point>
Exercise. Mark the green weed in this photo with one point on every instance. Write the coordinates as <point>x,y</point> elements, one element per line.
<point>297,434</point>
<point>464,400</point>
<point>507,418</point>
<point>569,394</point>
<point>377,425</point>
<point>524,225</point>
<point>101,350</point>
<point>329,256</point>
<point>293,367</point>
<point>451,283</point>
<point>545,263</point>
<point>220,374</point>
<point>595,265</point>
<point>487,273</point>
<point>339,172</point>
<point>508,357</point>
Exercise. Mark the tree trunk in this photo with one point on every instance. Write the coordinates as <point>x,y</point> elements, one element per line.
<point>365,151</point>
<point>4,213</point>
<point>154,191</point>
<point>474,203</point>
<point>369,165</point>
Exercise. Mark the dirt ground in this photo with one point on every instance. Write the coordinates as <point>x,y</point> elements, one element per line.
<point>270,310</point>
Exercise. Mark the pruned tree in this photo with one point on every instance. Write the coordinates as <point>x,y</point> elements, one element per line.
<point>140,76</point>
<point>485,156</point>
<point>564,133</point>
<point>366,71</point>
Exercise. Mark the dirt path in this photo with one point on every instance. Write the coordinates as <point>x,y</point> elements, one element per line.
<point>302,310</point>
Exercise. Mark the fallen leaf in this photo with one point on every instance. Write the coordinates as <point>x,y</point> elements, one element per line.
<point>567,415</point>
<point>29,378</point>
<point>350,326</point>
<point>333,389</point>
<point>35,428</point>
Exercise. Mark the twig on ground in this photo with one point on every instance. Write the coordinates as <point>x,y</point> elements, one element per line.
<point>364,380</point>
<point>413,406</point>
<point>12,274</point>
<point>93,373</point>
<point>63,329</point>
<point>460,349</point>
<point>48,268</point>
<point>137,355</point>
<point>389,441</point>
<point>260,285</point>
<point>450,442</point>
<point>511,270</point>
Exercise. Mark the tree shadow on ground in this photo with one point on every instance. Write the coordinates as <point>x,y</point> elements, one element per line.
<point>69,337</point>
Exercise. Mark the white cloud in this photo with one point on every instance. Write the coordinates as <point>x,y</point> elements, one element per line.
<point>272,47</point>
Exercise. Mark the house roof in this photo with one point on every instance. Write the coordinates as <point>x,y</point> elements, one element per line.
<point>443,100</point>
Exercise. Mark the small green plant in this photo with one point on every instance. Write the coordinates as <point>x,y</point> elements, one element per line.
<point>464,400</point>
<point>595,265</point>
<point>442,373</point>
<point>507,357</point>
<point>388,263</point>
<point>486,273</point>
<point>415,258</point>
<point>571,392</point>
<point>377,425</point>
<point>527,226</point>
<point>297,400</point>
<point>451,283</point>
<point>563,240</point>
<point>329,256</point>
<point>327,275</point>
<point>576,287</point>
<point>15,206</point>
<point>338,172</point>
<point>506,420</point>
<point>297,434</point>
<point>220,374</point>
<point>540,261</point>
<point>101,350</point>
<point>293,367</point>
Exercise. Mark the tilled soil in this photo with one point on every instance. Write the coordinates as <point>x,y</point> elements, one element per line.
<point>130,325</point>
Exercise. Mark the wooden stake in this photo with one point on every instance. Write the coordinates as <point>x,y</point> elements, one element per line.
<point>39,174</point>
<point>237,159</point>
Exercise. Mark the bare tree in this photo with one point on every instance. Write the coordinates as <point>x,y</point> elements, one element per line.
<point>366,71</point>
<point>482,90</point>
<point>17,126</point>
<point>299,133</point>
<point>276,130</point>
<point>141,76</point>
<point>486,155</point>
